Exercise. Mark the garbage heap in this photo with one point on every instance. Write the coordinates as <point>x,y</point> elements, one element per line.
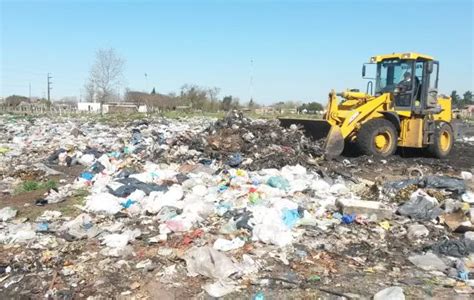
<point>226,207</point>
<point>259,144</point>
<point>238,141</point>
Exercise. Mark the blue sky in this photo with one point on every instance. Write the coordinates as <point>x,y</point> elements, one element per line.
<point>300,49</point>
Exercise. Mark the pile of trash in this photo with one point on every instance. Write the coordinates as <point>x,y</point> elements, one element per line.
<point>258,144</point>
<point>219,206</point>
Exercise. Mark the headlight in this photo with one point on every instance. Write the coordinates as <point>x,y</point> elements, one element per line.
<point>406,55</point>
<point>373,59</point>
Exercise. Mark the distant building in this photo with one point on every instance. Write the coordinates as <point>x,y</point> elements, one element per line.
<point>468,111</point>
<point>275,109</point>
<point>122,107</point>
<point>111,107</point>
<point>88,107</point>
<point>264,110</point>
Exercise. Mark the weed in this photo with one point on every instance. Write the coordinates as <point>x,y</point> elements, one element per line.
<point>31,185</point>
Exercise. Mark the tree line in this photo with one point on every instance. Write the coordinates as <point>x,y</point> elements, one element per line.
<point>458,102</point>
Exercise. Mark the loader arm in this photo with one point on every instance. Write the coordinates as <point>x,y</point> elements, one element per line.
<point>346,117</point>
<point>352,119</point>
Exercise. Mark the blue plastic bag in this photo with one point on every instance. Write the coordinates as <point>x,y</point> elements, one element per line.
<point>290,217</point>
<point>259,296</point>
<point>278,182</point>
<point>128,203</point>
<point>348,219</point>
<point>87,176</point>
<point>235,160</point>
<point>42,227</point>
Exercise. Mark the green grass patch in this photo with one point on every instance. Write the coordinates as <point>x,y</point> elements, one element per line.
<point>31,185</point>
<point>68,207</point>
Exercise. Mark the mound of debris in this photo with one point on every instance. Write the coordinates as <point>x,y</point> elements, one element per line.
<point>258,144</point>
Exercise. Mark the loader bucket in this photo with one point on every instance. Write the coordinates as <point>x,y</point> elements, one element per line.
<point>319,129</point>
<point>334,144</point>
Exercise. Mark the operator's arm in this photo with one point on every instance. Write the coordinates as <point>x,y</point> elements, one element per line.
<point>404,85</point>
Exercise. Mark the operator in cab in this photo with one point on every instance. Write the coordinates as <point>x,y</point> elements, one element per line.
<point>405,84</point>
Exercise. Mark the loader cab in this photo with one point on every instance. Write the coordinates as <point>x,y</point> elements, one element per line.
<point>413,83</point>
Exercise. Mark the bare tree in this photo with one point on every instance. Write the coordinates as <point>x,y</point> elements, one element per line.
<point>194,95</point>
<point>71,100</point>
<point>214,101</point>
<point>235,104</point>
<point>106,74</point>
<point>89,91</point>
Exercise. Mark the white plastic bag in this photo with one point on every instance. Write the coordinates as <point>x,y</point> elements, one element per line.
<point>226,245</point>
<point>209,262</point>
<point>103,203</point>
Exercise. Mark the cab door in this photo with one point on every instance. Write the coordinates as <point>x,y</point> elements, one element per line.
<point>432,83</point>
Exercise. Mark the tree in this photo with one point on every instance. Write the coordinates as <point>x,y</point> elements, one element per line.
<point>15,100</point>
<point>194,95</point>
<point>153,92</point>
<point>227,103</point>
<point>214,103</point>
<point>44,101</point>
<point>235,103</point>
<point>251,103</point>
<point>467,98</point>
<point>106,74</point>
<point>311,107</point>
<point>455,99</point>
<point>89,91</point>
<point>67,100</point>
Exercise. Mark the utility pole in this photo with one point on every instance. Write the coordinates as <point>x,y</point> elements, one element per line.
<point>49,87</point>
<point>251,80</point>
<point>146,83</point>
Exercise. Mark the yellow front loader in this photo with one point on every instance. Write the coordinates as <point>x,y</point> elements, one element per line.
<point>405,110</point>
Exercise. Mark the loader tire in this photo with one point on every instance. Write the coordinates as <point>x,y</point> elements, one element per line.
<point>443,140</point>
<point>377,137</point>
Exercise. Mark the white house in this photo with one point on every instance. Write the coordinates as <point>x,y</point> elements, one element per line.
<point>88,106</point>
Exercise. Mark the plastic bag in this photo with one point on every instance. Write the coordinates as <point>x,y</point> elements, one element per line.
<point>235,160</point>
<point>421,206</point>
<point>7,213</point>
<point>290,217</point>
<point>278,182</point>
<point>116,240</point>
<point>448,183</point>
<point>275,234</point>
<point>219,288</point>
<point>456,248</point>
<point>131,184</point>
<point>209,262</point>
<point>226,245</point>
<point>103,203</point>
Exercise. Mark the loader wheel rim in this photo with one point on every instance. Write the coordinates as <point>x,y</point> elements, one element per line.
<point>383,141</point>
<point>445,141</point>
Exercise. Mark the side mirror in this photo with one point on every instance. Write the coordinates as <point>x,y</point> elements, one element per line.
<point>363,71</point>
<point>429,67</point>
